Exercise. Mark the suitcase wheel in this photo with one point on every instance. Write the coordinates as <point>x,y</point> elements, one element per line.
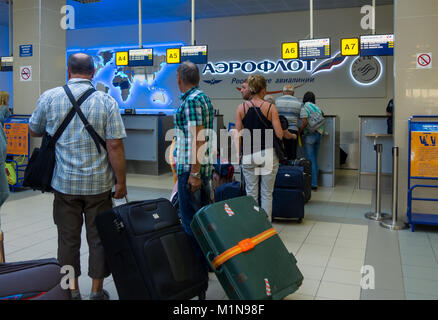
<point>300,220</point>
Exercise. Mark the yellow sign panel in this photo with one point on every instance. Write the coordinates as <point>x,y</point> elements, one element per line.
<point>173,55</point>
<point>424,154</point>
<point>289,50</point>
<point>350,47</point>
<point>122,58</point>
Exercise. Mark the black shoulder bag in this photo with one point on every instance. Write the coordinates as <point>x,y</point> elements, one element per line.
<point>277,143</point>
<point>39,171</point>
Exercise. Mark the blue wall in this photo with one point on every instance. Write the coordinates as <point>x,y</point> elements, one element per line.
<point>5,77</point>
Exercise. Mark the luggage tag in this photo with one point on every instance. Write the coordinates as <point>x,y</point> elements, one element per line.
<point>118,202</point>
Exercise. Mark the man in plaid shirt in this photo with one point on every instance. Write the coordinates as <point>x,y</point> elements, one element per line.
<point>83,178</point>
<point>193,125</point>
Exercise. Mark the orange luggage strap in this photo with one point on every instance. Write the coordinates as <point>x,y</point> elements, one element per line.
<point>243,246</point>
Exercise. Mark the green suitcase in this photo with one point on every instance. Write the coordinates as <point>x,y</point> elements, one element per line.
<point>249,258</point>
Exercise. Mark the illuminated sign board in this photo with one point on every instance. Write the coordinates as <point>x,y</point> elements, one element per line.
<point>195,54</point>
<point>289,50</point>
<point>122,58</point>
<point>377,45</point>
<point>141,58</point>
<point>350,47</point>
<point>173,55</point>
<point>6,63</point>
<point>314,49</point>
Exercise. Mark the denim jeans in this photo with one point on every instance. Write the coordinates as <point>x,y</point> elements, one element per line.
<point>189,204</point>
<point>311,146</point>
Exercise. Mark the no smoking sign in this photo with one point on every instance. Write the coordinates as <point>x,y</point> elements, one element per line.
<point>26,73</point>
<point>424,61</point>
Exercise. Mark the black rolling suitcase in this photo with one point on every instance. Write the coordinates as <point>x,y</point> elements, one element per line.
<point>288,195</point>
<point>149,254</point>
<point>307,177</point>
<point>32,280</point>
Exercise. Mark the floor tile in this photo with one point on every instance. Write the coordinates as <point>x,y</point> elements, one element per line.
<point>338,291</point>
<point>311,272</point>
<point>309,287</point>
<point>420,272</point>
<point>419,261</point>
<point>313,260</point>
<point>315,239</point>
<point>296,296</point>
<point>317,250</point>
<point>345,263</point>
<point>420,286</point>
<point>348,253</point>
<point>342,276</point>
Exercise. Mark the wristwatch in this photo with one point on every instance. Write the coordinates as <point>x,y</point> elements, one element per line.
<point>196,175</point>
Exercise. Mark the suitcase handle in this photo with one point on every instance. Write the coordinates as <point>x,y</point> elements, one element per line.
<point>209,260</point>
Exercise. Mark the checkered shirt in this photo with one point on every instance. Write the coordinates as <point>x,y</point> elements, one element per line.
<point>195,110</point>
<point>79,169</point>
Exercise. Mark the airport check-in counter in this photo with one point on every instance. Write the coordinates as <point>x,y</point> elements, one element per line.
<point>145,145</point>
<point>373,130</point>
<point>329,157</point>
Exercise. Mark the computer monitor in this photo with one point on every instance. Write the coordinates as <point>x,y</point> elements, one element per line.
<point>377,45</point>
<point>195,54</point>
<point>6,63</point>
<point>314,49</point>
<point>141,58</point>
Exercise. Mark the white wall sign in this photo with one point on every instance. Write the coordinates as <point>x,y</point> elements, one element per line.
<point>26,73</point>
<point>424,60</point>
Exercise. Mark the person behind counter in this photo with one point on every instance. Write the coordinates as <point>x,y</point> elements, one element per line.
<point>258,159</point>
<point>390,114</point>
<point>4,186</point>
<point>312,138</point>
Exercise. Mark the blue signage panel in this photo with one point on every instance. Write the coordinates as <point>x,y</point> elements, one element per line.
<point>315,49</point>
<point>377,45</point>
<point>26,50</point>
<point>195,54</point>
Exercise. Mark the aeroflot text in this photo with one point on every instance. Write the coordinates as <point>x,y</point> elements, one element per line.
<point>265,66</point>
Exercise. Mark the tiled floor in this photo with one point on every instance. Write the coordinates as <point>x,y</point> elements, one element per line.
<point>331,245</point>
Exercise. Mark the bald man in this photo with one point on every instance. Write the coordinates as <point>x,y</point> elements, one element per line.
<point>290,107</point>
<point>84,172</point>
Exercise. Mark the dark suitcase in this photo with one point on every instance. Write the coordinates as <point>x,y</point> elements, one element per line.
<point>32,280</point>
<point>290,177</point>
<point>307,177</point>
<point>149,254</point>
<point>262,267</point>
<point>229,191</point>
<point>288,203</point>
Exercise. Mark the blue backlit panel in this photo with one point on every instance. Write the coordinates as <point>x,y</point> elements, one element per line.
<point>141,87</point>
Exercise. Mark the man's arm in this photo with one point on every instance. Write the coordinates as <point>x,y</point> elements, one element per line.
<point>196,165</point>
<point>34,134</point>
<point>116,155</point>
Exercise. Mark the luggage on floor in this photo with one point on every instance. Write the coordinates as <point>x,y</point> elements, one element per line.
<point>229,191</point>
<point>290,177</point>
<point>307,177</point>
<point>288,203</point>
<point>249,258</point>
<point>289,197</point>
<point>32,280</point>
<point>149,254</point>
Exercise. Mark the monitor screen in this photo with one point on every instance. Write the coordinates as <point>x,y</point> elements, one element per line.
<point>314,49</point>
<point>141,58</point>
<point>377,45</point>
<point>195,54</point>
<point>6,63</point>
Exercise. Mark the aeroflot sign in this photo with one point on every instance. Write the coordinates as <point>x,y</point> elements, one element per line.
<point>265,66</point>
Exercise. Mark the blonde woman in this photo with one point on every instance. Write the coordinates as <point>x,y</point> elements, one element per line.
<point>259,159</point>
<point>4,186</point>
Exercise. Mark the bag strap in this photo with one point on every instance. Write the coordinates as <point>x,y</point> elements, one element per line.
<point>70,115</point>
<point>76,107</point>
<point>260,117</point>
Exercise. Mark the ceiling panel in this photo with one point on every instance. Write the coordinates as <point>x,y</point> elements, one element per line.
<point>116,12</point>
